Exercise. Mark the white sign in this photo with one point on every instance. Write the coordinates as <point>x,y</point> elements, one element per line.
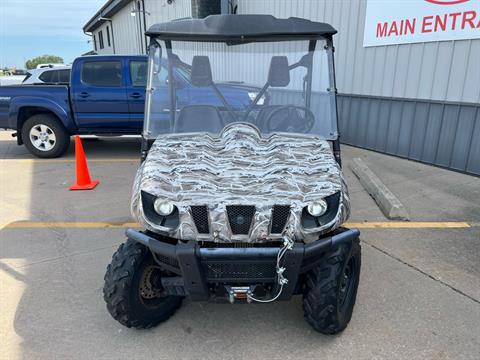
<point>409,21</point>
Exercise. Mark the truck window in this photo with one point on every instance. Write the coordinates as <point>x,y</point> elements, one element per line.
<point>162,76</point>
<point>138,73</point>
<point>102,73</point>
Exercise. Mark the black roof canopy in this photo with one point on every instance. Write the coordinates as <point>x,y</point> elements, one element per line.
<point>241,29</point>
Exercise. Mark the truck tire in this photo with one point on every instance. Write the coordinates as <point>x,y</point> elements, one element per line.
<point>131,299</point>
<point>45,136</point>
<point>331,289</point>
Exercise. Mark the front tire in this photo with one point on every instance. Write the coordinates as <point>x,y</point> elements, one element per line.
<point>44,136</point>
<point>133,290</point>
<point>331,289</point>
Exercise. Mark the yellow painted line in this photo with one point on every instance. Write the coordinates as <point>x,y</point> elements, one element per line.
<point>408,224</point>
<point>60,161</point>
<point>66,224</point>
<point>360,225</point>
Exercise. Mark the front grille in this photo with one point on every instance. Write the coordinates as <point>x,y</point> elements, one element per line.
<point>240,218</point>
<point>280,214</point>
<point>241,271</point>
<point>200,217</point>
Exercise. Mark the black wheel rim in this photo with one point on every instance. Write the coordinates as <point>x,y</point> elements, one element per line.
<point>348,279</point>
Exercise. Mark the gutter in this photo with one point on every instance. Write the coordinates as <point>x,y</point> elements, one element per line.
<point>107,10</point>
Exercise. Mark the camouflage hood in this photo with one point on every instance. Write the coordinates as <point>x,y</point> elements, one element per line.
<point>239,174</point>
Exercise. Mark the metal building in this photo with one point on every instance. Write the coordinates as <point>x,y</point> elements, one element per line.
<point>409,91</point>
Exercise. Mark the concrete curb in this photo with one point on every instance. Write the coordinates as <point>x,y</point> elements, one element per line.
<point>389,204</point>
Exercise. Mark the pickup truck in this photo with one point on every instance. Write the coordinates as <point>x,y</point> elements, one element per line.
<point>105,96</point>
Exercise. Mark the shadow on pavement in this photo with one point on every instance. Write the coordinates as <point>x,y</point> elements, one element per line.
<point>95,147</point>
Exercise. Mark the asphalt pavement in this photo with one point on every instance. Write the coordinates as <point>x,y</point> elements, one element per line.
<point>419,294</point>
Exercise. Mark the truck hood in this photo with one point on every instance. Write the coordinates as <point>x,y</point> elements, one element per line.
<point>239,167</point>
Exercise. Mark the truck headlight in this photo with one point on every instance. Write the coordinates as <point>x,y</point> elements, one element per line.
<point>253,95</point>
<point>163,207</point>
<point>317,208</point>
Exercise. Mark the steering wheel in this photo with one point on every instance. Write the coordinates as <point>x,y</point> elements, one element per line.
<point>291,121</point>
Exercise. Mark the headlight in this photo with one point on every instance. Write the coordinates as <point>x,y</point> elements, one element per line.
<point>317,208</point>
<point>163,207</point>
<point>253,95</point>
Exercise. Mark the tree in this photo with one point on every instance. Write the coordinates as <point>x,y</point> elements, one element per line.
<point>44,59</point>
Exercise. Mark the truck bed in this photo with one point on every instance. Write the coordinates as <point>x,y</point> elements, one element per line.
<point>14,96</point>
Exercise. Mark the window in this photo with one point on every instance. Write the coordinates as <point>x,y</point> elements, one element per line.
<point>162,76</point>
<point>56,76</point>
<point>94,42</point>
<point>102,73</point>
<point>100,39</point>
<point>64,76</point>
<point>48,76</point>
<point>138,73</point>
<point>108,36</point>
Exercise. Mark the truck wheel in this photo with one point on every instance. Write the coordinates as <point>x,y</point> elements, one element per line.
<point>331,289</point>
<point>44,136</point>
<point>133,290</point>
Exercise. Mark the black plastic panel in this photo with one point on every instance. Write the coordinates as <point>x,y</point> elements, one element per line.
<point>280,214</point>
<point>240,218</point>
<point>200,217</point>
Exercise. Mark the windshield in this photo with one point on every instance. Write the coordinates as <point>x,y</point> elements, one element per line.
<point>277,86</point>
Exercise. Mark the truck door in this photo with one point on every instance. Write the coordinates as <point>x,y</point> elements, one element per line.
<point>99,96</point>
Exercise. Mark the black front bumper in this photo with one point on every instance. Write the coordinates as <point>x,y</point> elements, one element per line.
<point>200,267</point>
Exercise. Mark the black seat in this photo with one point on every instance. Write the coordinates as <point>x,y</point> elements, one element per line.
<point>199,118</point>
<point>201,72</point>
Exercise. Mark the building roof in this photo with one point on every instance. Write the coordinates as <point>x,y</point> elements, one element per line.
<point>110,8</point>
<point>240,28</point>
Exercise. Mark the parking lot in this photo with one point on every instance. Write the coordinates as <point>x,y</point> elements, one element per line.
<point>419,295</point>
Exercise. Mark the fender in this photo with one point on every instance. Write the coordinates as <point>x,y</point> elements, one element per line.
<point>64,114</point>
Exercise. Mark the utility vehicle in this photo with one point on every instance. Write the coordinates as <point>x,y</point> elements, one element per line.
<point>244,205</point>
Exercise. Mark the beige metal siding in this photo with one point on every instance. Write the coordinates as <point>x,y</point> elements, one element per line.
<point>161,11</point>
<point>107,49</point>
<point>445,71</point>
<point>125,29</point>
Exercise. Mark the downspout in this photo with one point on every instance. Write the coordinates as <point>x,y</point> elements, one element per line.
<point>138,10</point>
<point>113,36</point>
<point>145,26</point>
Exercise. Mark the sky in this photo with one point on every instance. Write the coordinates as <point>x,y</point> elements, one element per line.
<point>29,28</point>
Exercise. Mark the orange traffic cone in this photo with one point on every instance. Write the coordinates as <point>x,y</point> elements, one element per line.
<point>83,177</point>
